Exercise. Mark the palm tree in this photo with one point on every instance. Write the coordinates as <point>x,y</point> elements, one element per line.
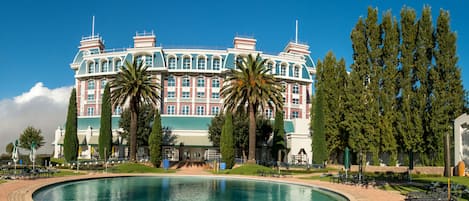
<point>134,85</point>
<point>251,85</point>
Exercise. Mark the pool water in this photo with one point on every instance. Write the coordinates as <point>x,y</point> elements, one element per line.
<point>180,189</point>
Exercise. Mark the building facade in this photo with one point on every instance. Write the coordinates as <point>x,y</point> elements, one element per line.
<point>191,80</point>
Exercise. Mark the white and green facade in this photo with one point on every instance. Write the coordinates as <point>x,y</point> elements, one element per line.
<point>191,80</point>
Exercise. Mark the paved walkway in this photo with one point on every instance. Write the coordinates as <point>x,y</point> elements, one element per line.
<point>21,190</point>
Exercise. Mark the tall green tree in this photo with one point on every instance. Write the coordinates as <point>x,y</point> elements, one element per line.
<point>251,85</point>
<point>355,120</point>
<point>30,135</point>
<point>410,140</point>
<point>70,145</point>
<point>156,140</point>
<point>319,139</point>
<point>136,85</point>
<point>105,130</point>
<point>278,143</point>
<point>388,87</point>
<point>227,142</point>
<point>420,85</point>
<point>146,115</point>
<point>447,97</point>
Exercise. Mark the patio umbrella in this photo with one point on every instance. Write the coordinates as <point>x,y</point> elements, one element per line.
<point>347,158</point>
<point>32,153</point>
<point>14,155</point>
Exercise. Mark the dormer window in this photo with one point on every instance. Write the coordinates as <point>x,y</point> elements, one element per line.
<point>186,63</point>
<point>283,70</point>
<point>216,64</point>
<point>201,63</point>
<point>172,63</point>
<point>270,66</point>
<point>296,72</point>
<point>117,65</point>
<point>91,67</point>
<point>104,66</point>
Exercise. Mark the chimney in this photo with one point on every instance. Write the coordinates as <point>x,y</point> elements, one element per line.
<point>144,40</point>
<point>244,43</point>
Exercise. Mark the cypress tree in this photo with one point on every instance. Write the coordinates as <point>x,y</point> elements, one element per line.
<point>105,132</point>
<point>71,139</point>
<point>355,101</point>
<point>372,115</point>
<point>155,140</point>
<point>423,63</point>
<point>279,135</point>
<point>406,125</point>
<point>389,89</point>
<point>319,141</point>
<point>227,142</point>
<point>447,100</point>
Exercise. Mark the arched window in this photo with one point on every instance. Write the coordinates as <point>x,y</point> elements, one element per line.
<point>186,63</point>
<point>90,84</point>
<point>201,63</point>
<point>104,66</point>
<point>216,64</point>
<point>117,64</point>
<point>186,82</point>
<point>296,71</point>
<point>200,82</point>
<point>270,66</point>
<point>103,83</point>
<point>91,67</point>
<point>296,89</point>
<point>215,83</point>
<point>283,69</point>
<point>172,63</point>
<point>171,81</point>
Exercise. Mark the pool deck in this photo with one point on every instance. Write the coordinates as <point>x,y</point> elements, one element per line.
<point>22,190</point>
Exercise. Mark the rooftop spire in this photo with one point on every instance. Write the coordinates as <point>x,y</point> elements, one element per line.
<point>92,28</point>
<point>296,31</point>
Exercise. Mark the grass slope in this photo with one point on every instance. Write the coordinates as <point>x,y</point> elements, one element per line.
<point>137,168</point>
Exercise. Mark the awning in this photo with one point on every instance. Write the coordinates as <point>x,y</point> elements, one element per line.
<point>81,140</point>
<point>94,140</point>
<point>197,141</point>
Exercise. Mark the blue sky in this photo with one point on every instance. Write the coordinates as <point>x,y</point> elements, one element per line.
<point>40,38</point>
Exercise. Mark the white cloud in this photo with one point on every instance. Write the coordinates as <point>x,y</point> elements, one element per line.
<point>40,107</point>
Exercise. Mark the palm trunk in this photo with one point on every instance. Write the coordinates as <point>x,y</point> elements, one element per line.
<point>252,135</point>
<point>133,130</point>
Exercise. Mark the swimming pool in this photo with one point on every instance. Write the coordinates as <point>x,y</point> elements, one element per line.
<point>187,188</point>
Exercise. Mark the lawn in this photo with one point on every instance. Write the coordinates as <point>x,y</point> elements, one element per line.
<point>137,168</point>
<point>2,181</point>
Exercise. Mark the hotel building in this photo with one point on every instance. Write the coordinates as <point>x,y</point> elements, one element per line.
<point>191,80</point>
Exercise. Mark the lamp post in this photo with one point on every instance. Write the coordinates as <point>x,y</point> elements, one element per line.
<point>447,162</point>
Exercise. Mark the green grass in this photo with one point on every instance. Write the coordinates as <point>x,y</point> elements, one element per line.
<point>456,180</point>
<point>137,168</point>
<point>2,181</point>
<point>64,173</point>
<point>317,177</point>
<point>247,169</point>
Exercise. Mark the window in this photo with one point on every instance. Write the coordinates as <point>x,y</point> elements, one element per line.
<point>91,67</point>
<point>185,94</point>
<point>186,63</point>
<point>215,83</point>
<point>270,66</point>
<point>215,95</point>
<point>149,60</point>
<point>283,70</point>
<point>90,97</point>
<point>118,110</point>
<point>90,111</point>
<point>296,101</point>
<point>200,82</point>
<point>295,114</point>
<point>284,86</point>
<point>295,89</point>
<point>186,82</point>
<point>239,61</point>
<point>216,64</point>
<point>171,81</point>
<point>103,84</point>
<point>172,63</point>
<point>296,72</point>
<point>200,110</point>
<point>201,63</point>
<point>104,66</point>
<point>200,94</point>
<point>215,110</point>
<point>170,109</point>
<point>268,113</point>
<point>117,65</point>
<point>171,94</point>
<point>284,99</point>
<point>185,110</point>
<point>139,59</point>
<point>91,84</point>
